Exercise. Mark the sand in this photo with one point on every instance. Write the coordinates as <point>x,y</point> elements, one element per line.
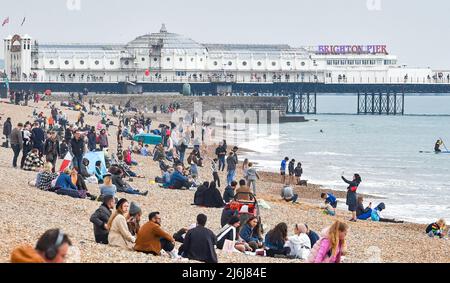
<point>27,212</point>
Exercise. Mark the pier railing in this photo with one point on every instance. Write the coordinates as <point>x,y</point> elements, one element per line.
<point>175,79</point>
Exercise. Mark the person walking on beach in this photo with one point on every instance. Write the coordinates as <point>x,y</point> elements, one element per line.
<point>283,170</point>
<point>27,143</point>
<point>332,245</point>
<point>245,168</point>
<point>352,201</point>
<point>231,167</point>
<point>16,142</point>
<point>252,175</point>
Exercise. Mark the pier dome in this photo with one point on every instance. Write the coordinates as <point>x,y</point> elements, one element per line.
<point>165,40</point>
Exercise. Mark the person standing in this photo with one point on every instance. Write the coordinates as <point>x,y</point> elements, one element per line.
<point>221,153</point>
<point>77,149</point>
<point>291,168</point>
<point>27,144</point>
<point>352,201</point>
<point>92,139</point>
<point>51,150</point>
<point>252,175</point>
<point>215,172</point>
<point>38,138</point>
<point>16,142</point>
<point>103,140</point>
<point>298,172</point>
<point>7,129</point>
<point>231,167</point>
<point>283,170</point>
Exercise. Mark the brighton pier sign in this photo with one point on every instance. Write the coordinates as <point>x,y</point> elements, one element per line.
<point>351,49</point>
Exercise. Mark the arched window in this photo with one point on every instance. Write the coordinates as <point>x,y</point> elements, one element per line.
<point>180,59</point>
<point>155,59</point>
<point>97,62</point>
<point>36,62</point>
<point>274,63</point>
<point>230,63</point>
<point>127,63</point>
<point>168,59</point>
<point>81,62</point>
<point>288,63</point>
<point>66,62</point>
<point>52,62</point>
<point>244,63</point>
<point>259,63</point>
<point>111,62</point>
<point>215,63</point>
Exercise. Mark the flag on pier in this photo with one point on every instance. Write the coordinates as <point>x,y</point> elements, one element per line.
<point>5,21</point>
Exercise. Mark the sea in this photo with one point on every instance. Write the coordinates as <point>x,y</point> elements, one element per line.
<point>393,154</point>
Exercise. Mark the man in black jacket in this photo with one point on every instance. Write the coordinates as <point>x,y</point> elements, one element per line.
<point>199,242</point>
<point>77,149</point>
<point>7,129</point>
<point>51,149</point>
<point>38,138</point>
<point>100,220</point>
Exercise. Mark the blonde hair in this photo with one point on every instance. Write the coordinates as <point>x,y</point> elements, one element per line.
<point>48,166</point>
<point>107,181</point>
<point>333,236</point>
<point>441,223</point>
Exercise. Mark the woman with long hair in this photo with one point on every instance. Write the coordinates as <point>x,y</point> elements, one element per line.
<point>275,241</point>
<point>119,235</point>
<point>351,201</point>
<point>332,245</point>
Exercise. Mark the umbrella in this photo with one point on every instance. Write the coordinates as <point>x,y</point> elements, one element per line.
<point>48,92</point>
<point>148,139</point>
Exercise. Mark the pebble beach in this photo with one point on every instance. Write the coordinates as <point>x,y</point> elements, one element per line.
<point>27,212</point>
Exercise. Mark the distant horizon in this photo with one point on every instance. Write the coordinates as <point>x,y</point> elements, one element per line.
<point>413,30</point>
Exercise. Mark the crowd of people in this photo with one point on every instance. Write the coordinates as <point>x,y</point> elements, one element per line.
<point>117,222</point>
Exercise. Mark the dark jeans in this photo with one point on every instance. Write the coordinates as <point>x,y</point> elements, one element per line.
<point>16,149</point>
<point>165,245</point>
<point>216,179</point>
<point>182,156</point>
<point>101,239</point>
<point>293,199</point>
<point>285,251</point>
<point>26,149</point>
<point>77,161</point>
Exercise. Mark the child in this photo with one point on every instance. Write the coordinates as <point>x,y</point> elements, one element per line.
<point>98,172</point>
<point>298,171</point>
<point>376,212</point>
<point>436,229</point>
<point>291,171</point>
<point>330,202</point>
<point>214,169</point>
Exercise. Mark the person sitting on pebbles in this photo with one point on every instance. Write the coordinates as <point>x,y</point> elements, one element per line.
<point>436,229</point>
<point>119,235</point>
<point>330,203</point>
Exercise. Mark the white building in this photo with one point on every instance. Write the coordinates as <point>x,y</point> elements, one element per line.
<point>169,57</point>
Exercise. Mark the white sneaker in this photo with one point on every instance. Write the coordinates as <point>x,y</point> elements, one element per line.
<point>174,254</point>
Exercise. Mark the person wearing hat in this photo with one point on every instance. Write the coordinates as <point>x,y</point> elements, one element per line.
<point>100,219</point>
<point>108,188</point>
<point>135,218</point>
<point>229,232</point>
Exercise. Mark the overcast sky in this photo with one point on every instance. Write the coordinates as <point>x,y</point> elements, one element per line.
<point>417,31</point>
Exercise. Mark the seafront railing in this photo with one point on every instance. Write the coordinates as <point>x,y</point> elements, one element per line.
<point>345,80</point>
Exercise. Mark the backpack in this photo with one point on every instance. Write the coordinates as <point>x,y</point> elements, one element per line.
<point>429,228</point>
